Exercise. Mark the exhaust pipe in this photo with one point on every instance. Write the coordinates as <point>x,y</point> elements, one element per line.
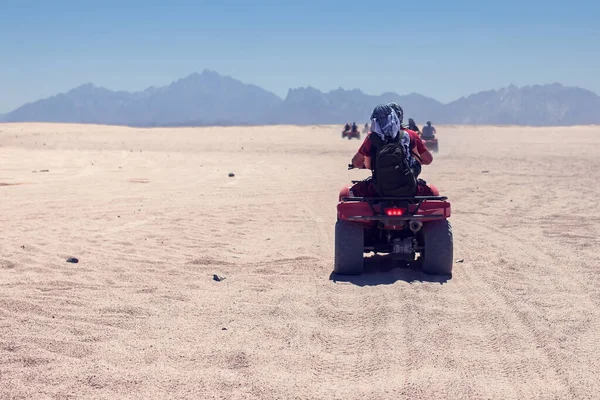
<point>415,226</point>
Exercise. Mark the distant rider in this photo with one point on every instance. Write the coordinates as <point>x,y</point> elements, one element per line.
<point>428,131</point>
<point>347,127</point>
<point>354,127</point>
<point>413,126</point>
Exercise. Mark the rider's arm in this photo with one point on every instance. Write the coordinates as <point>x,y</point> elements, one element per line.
<point>361,159</point>
<point>421,151</point>
<point>426,156</point>
<point>358,161</point>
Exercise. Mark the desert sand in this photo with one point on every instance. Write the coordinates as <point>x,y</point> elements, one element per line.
<point>152,214</point>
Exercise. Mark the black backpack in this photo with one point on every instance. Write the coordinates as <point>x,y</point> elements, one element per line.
<point>392,174</point>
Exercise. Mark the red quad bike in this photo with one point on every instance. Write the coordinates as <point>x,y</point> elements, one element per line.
<point>431,144</point>
<point>351,134</point>
<point>412,230</point>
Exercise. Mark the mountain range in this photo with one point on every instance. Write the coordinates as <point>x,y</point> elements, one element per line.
<point>209,98</point>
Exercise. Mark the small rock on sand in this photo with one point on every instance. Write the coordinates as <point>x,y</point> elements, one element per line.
<point>72,260</point>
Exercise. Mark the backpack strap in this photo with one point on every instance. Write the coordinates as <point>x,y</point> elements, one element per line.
<point>376,145</point>
<point>417,157</point>
<point>376,140</point>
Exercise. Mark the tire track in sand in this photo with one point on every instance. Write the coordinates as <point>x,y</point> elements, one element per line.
<point>356,352</point>
<point>534,299</point>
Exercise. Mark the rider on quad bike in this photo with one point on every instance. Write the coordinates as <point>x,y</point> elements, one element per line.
<point>351,132</point>
<point>428,131</point>
<point>413,126</point>
<point>386,126</point>
<point>392,212</point>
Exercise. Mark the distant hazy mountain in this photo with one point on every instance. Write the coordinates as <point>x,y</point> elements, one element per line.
<point>205,98</point>
<point>311,106</point>
<point>212,99</point>
<point>538,105</point>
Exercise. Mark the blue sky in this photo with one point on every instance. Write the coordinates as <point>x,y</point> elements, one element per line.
<point>443,49</point>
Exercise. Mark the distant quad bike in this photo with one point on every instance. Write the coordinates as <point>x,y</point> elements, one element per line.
<point>411,229</point>
<point>351,134</point>
<point>431,144</point>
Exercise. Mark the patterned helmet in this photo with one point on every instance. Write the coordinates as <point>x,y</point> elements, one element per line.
<point>398,110</point>
<point>385,121</point>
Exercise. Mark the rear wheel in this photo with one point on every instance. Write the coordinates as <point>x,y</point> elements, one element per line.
<point>438,249</point>
<point>349,245</point>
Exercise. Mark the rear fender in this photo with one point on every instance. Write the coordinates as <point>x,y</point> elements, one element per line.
<point>354,208</point>
<point>427,211</point>
<point>434,208</point>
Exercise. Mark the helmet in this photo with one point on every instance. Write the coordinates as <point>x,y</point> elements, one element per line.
<point>428,123</point>
<point>385,120</point>
<point>398,110</point>
<point>411,121</point>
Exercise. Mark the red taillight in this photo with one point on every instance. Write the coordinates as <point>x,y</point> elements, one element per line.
<point>394,212</point>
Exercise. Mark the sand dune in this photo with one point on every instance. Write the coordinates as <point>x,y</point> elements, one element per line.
<point>151,214</point>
